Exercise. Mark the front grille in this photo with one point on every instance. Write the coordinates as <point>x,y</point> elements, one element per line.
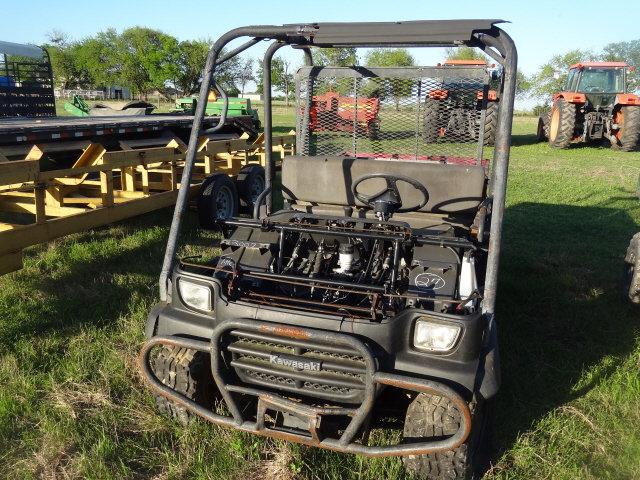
<point>340,377</point>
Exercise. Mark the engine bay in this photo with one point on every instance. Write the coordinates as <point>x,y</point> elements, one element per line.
<point>357,267</point>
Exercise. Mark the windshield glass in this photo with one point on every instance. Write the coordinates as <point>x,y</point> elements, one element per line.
<point>602,80</point>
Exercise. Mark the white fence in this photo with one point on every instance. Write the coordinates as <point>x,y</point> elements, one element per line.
<point>86,94</point>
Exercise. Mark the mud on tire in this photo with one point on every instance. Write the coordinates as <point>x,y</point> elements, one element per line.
<point>435,416</point>
<point>188,372</point>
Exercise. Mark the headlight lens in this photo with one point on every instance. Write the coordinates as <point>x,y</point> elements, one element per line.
<point>435,337</point>
<point>195,295</point>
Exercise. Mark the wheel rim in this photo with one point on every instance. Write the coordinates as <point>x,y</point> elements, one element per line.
<point>256,187</point>
<point>224,203</point>
<point>555,124</point>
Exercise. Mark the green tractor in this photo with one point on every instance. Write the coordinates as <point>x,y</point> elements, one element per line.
<point>237,107</point>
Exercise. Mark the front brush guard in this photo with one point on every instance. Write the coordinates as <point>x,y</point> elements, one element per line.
<point>269,401</point>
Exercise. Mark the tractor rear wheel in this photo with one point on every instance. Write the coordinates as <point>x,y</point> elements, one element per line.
<point>627,117</point>
<point>434,416</point>
<point>188,372</point>
<point>631,277</point>
<point>542,133</point>
<point>490,123</point>
<point>562,123</point>
<point>431,117</point>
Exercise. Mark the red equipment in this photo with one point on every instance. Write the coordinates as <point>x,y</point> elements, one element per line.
<point>331,112</point>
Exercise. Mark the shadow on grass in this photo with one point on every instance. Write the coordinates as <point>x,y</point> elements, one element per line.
<point>560,310</point>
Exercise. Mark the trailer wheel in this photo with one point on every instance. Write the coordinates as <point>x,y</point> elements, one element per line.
<point>217,200</point>
<point>188,372</point>
<point>490,123</point>
<point>434,416</point>
<point>628,119</point>
<point>631,276</point>
<point>431,117</point>
<point>250,182</point>
<point>373,130</point>
<point>562,123</point>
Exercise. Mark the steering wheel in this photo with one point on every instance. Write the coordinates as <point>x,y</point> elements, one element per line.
<point>388,201</point>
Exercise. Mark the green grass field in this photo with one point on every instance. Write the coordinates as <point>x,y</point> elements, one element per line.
<point>71,322</point>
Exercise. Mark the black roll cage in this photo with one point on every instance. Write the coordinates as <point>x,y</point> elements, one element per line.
<point>483,34</point>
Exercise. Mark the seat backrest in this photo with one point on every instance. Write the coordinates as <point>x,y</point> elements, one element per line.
<point>327,180</point>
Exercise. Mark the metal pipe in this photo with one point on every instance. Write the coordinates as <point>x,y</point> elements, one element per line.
<point>503,43</point>
<point>185,181</point>
<point>268,121</point>
<point>258,202</point>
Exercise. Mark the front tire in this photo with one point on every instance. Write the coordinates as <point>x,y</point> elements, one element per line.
<point>542,133</point>
<point>434,416</point>
<point>562,123</point>
<point>628,119</point>
<point>631,277</point>
<point>188,372</point>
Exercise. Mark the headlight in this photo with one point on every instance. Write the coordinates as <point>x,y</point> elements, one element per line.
<point>435,337</point>
<point>195,295</point>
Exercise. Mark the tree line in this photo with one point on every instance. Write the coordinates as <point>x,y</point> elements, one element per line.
<point>148,60</point>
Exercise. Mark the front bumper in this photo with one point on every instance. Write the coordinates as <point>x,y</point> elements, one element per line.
<point>310,416</point>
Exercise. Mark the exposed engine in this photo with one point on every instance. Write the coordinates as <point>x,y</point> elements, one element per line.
<point>357,267</point>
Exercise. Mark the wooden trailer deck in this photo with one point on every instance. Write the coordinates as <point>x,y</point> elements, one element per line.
<point>105,185</point>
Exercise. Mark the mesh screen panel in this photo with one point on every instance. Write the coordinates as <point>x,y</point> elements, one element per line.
<point>414,112</point>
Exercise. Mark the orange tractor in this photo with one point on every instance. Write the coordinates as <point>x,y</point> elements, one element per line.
<point>454,110</point>
<point>594,106</point>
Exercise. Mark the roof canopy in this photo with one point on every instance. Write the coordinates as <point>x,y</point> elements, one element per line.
<point>600,64</point>
<point>10,48</point>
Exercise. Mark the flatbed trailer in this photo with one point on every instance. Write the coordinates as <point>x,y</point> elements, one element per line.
<point>21,130</point>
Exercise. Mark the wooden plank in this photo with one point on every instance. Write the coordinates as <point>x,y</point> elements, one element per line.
<point>106,188</point>
<point>30,207</point>
<point>24,236</point>
<point>19,171</point>
<point>40,202</point>
<point>3,158</point>
<point>90,156</point>
<point>10,262</point>
<point>6,226</point>
<point>35,153</point>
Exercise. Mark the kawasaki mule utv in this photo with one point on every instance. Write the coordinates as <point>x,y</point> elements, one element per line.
<point>368,300</point>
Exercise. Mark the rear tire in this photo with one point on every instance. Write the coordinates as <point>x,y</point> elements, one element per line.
<point>631,276</point>
<point>431,117</point>
<point>542,133</point>
<point>218,200</point>
<point>188,372</point>
<point>490,123</point>
<point>628,118</point>
<point>435,416</point>
<point>562,123</point>
<point>251,183</point>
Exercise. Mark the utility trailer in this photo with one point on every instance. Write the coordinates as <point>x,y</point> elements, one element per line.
<point>368,301</point>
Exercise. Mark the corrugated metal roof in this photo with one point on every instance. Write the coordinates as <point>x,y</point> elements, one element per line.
<point>10,48</point>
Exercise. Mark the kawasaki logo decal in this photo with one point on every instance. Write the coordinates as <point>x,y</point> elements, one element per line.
<point>295,362</point>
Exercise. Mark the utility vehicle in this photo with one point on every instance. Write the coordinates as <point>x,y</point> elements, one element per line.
<point>594,106</point>
<point>368,301</point>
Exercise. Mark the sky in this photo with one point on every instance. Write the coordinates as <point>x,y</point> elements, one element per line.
<point>540,28</point>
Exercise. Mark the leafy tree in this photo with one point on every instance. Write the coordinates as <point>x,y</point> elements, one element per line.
<point>392,57</point>
<point>552,76</point>
<point>148,58</point>
<point>97,56</point>
<point>625,52</point>
<point>281,77</point>
<point>191,58</point>
<point>245,74</point>
<point>337,57</point>
<point>464,53</point>
<point>62,52</point>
